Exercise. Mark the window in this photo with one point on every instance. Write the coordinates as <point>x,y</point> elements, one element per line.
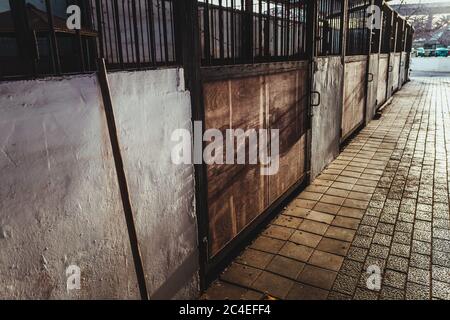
<point>248,31</point>
<point>357,33</point>
<point>135,33</point>
<point>329,26</point>
<point>386,29</point>
<point>400,43</point>
<point>129,34</point>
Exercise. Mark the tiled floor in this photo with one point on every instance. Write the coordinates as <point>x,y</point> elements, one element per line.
<point>383,202</point>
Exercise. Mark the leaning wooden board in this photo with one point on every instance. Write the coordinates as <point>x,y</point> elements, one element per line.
<point>354,94</point>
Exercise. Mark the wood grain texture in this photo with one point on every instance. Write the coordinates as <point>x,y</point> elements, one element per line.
<point>237,194</point>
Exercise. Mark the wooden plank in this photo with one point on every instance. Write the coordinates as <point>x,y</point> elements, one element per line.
<point>287,109</point>
<point>354,96</point>
<point>250,70</point>
<point>235,192</point>
<point>238,194</point>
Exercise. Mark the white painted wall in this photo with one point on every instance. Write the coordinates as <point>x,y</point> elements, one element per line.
<point>59,197</point>
<point>148,107</point>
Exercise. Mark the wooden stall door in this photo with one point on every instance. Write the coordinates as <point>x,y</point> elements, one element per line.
<point>326,124</point>
<point>287,98</point>
<point>396,72</point>
<point>354,94</point>
<point>372,87</point>
<point>238,194</point>
<point>382,79</point>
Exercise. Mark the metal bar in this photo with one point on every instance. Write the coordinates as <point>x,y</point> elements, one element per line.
<point>81,51</point>
<point>118,33</point>
<point>136,33</point>
<point>54,51</point>
<point>164,17</point>
<point>275,27</point>
<point>152,31</point>
<point>206,34</point>
<point>187,28</point>
<point>24,36</point>
<point>233,32</point>
<point>221,34</point>
<point>260,28</point>
<point>100,28</point>
<point>267,32</point>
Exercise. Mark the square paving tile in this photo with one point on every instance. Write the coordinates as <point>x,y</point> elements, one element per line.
<point>240,274</point>
<point>305,238</point>
<point>326,260</point>
<point>255,258</point>
<point>317,277</point>
<point>287,267</point>
<point>305,292</point>
<point>334,246</point>
<point>278,232</point>
<point>340,233</point>
<point>267,244</point>
<point>296,251</point>
<point>313,227</point>
<point>273,285</point>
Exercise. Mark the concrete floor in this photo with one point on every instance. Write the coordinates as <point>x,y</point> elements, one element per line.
<point>382,204</point>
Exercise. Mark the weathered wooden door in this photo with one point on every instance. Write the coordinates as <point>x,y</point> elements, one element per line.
<point>326,124</point>
<point>239,194</point>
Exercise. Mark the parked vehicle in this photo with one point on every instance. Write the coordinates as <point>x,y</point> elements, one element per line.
<point>441,51</point>
<point>430,50</point>
<point>420,52</point>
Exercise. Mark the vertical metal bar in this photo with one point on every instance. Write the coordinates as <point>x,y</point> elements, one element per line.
<point>80,50</point>
<point>108,18</point>
<point>152,31</point>
<point>118,32</point>
<point>260,28</point>
<point>128,30</point>
<point>207,34</point>
<point>100,28</point>
<point>141,24</point>
<point>311,20</point>
<point>187,28</point>
<point>275,30</point>
<point>54,51</point>
<point>221,34</point>
<point>267,31</point>
<point>136,33</point>
<point>24,38</point>
<point>164,17</point>
<point>228,12</point>
<point>233,32</point>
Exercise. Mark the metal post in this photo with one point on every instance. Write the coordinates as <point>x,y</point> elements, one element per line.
<point>189,53</point>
